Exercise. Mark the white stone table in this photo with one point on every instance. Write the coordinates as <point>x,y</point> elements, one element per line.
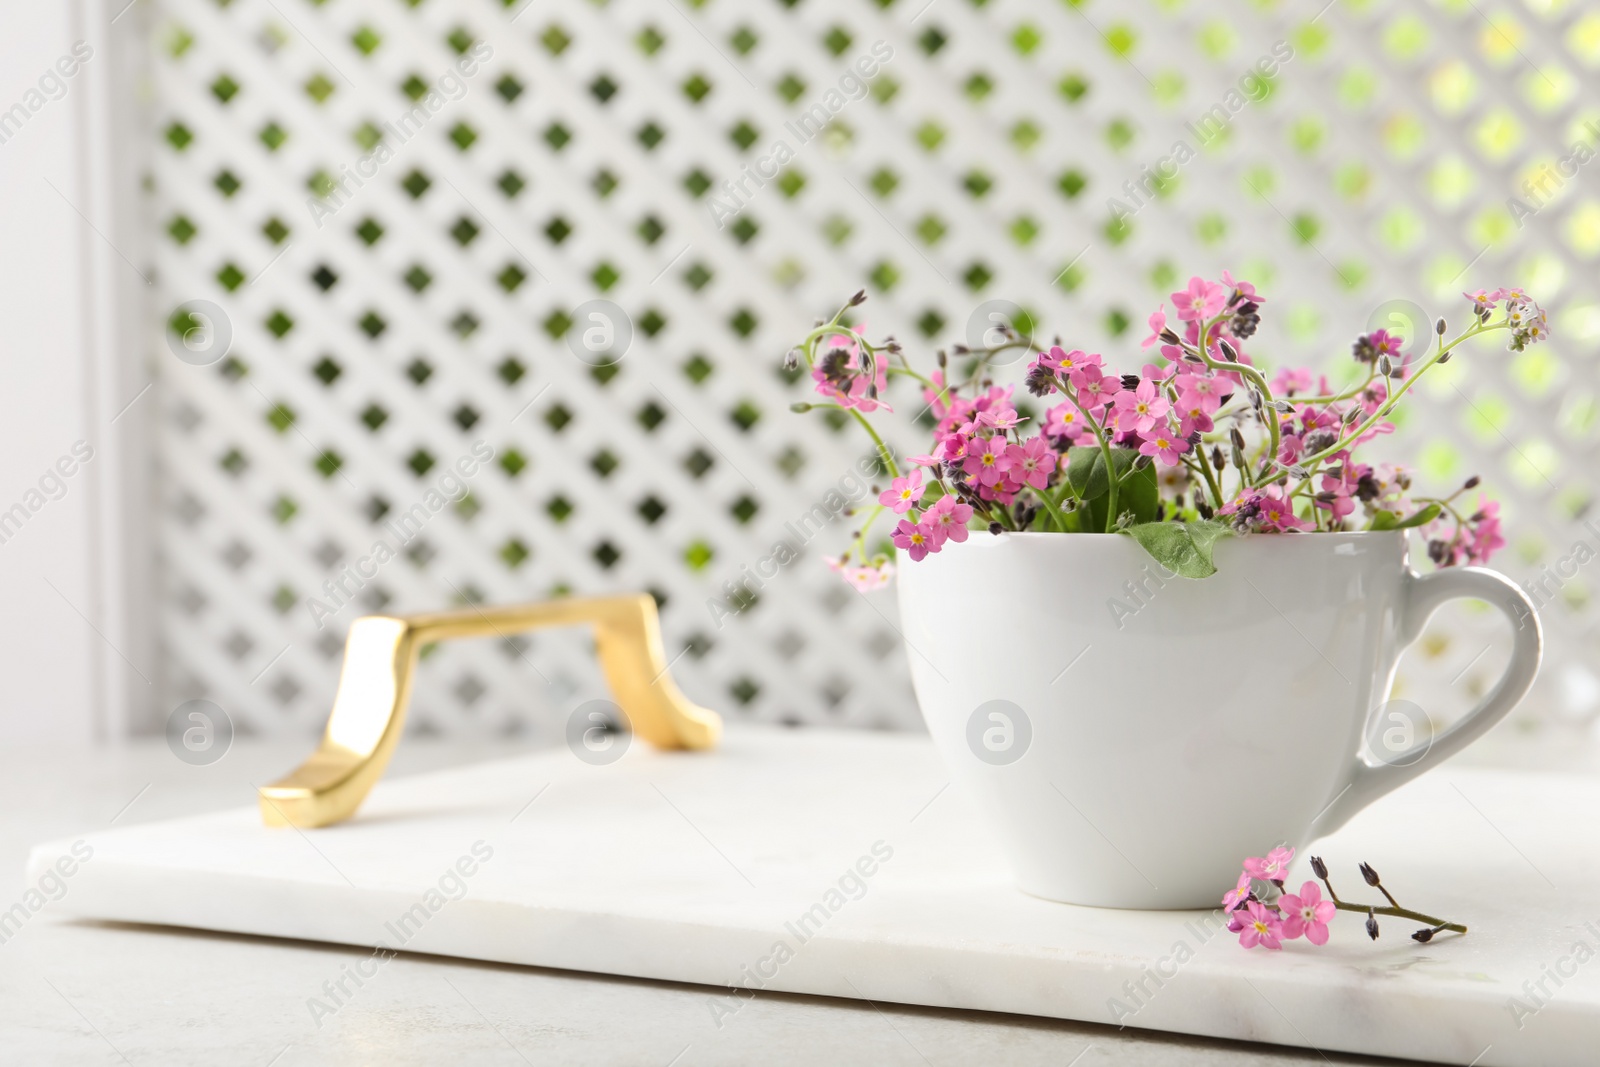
<point>688,867</point>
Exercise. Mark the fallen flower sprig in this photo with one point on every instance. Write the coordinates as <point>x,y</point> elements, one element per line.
<point>1270,917</point>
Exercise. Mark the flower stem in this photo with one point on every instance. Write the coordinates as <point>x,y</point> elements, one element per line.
<point>1270,415</point>
<point>1050,506</point>
<point>859,545</point>
<point>883,449</point>
<point>1334,398</point>
<point>1211,478</point>
<point>832,325</point>
<point>1401,913</point>
<point>1105,448</point>
<point>908,372</point>
<point>1393,399</point>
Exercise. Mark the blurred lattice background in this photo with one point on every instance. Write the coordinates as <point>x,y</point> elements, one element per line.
<point>429,311</point>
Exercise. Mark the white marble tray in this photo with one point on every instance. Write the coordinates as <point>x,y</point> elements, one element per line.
<point>697,868</point>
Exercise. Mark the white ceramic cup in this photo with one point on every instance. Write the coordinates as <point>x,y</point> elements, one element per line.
<point>1131,738</point>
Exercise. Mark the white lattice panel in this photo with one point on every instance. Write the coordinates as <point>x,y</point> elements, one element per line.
<point>425,314</point>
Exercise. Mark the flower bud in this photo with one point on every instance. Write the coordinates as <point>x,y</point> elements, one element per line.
<point>1446,357</point>
<point>1439,327</point>
<point>1228,352</point>
<point>859,299</point>
<point>1319,868</point>
<point>996,529</point>
<point>800,406</point>
<point>791,359</point>
<point>1369,874</point>
<point>1425,934</point>
<point>1385,367</point>
<point>1471,483</point>
<point>1040,381</point>
<point>1372,924</point>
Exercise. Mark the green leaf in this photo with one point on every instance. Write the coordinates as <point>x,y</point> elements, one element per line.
<point>1138,491</point>
<point>1205,534</point>
<point>1388,520</point>
<point>1086,469</point>
<point>1181,547</point>
<point>1421,518</point>
<point>1086,472</point>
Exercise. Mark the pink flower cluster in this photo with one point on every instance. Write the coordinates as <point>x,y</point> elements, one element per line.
<point>1527,320</point>
<point>1263,455</point>
<point>864,577</point>
<point>1291,915</point>
<point>926,531</point>
<point>1163,411</point>
<point>1470,541</point>
<point>848,375</point>
<point>1160,413</point>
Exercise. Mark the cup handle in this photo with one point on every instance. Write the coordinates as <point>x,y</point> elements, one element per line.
<point>1421,597</point>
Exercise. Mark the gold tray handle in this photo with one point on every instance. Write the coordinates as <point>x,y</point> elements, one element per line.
<point>380,655</point>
